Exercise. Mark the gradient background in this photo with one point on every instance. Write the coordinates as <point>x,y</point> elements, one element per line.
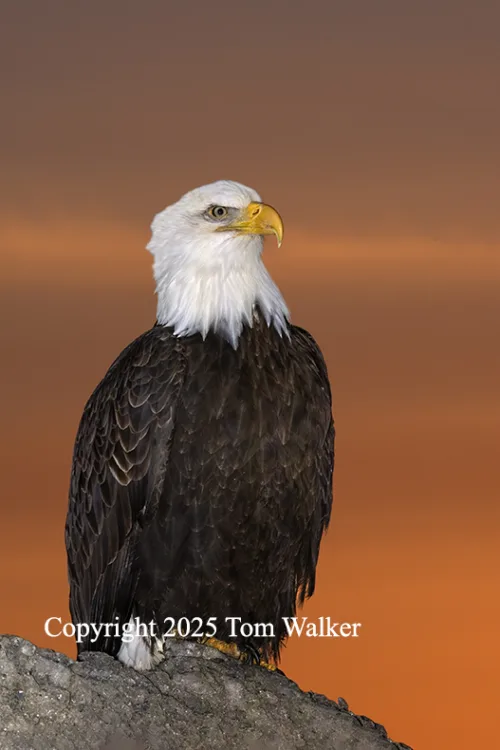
<point>374,128</point>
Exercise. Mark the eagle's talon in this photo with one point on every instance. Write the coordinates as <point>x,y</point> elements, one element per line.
<point>248,654</point>
<point>270,667</point>
<point>251,653</point>
<point>229,649</point>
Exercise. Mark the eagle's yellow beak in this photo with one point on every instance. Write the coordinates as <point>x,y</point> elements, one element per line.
<point>258,218</point>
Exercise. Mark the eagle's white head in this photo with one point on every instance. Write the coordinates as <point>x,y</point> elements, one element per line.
<point>208,268</point>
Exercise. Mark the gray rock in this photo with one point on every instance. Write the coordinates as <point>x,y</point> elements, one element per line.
<point>198,699</point>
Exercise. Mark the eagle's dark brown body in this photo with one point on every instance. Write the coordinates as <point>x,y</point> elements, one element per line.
<point>201,482</point>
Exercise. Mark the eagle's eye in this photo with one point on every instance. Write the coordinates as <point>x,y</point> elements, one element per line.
<point>218,212</point>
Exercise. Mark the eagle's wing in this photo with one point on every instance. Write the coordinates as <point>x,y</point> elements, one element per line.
<point>319,432</point>
<point>118,464</point>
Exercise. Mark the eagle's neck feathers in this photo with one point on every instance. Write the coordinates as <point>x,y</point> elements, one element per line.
<point>216,286</point>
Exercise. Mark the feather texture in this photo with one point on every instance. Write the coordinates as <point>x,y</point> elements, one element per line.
<point>201,482</point>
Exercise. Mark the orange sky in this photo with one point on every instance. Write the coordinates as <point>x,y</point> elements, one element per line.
<point>375,132</point>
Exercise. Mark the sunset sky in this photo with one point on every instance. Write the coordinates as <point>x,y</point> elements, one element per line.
<point>373,127</point>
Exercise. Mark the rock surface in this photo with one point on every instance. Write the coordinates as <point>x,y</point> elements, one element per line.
<point>198,699</point>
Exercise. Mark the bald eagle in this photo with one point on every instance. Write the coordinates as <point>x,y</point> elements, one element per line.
<point>201,482</point>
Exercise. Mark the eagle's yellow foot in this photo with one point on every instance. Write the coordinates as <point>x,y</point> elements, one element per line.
<point>231,649</point>
<point>267,665</point>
